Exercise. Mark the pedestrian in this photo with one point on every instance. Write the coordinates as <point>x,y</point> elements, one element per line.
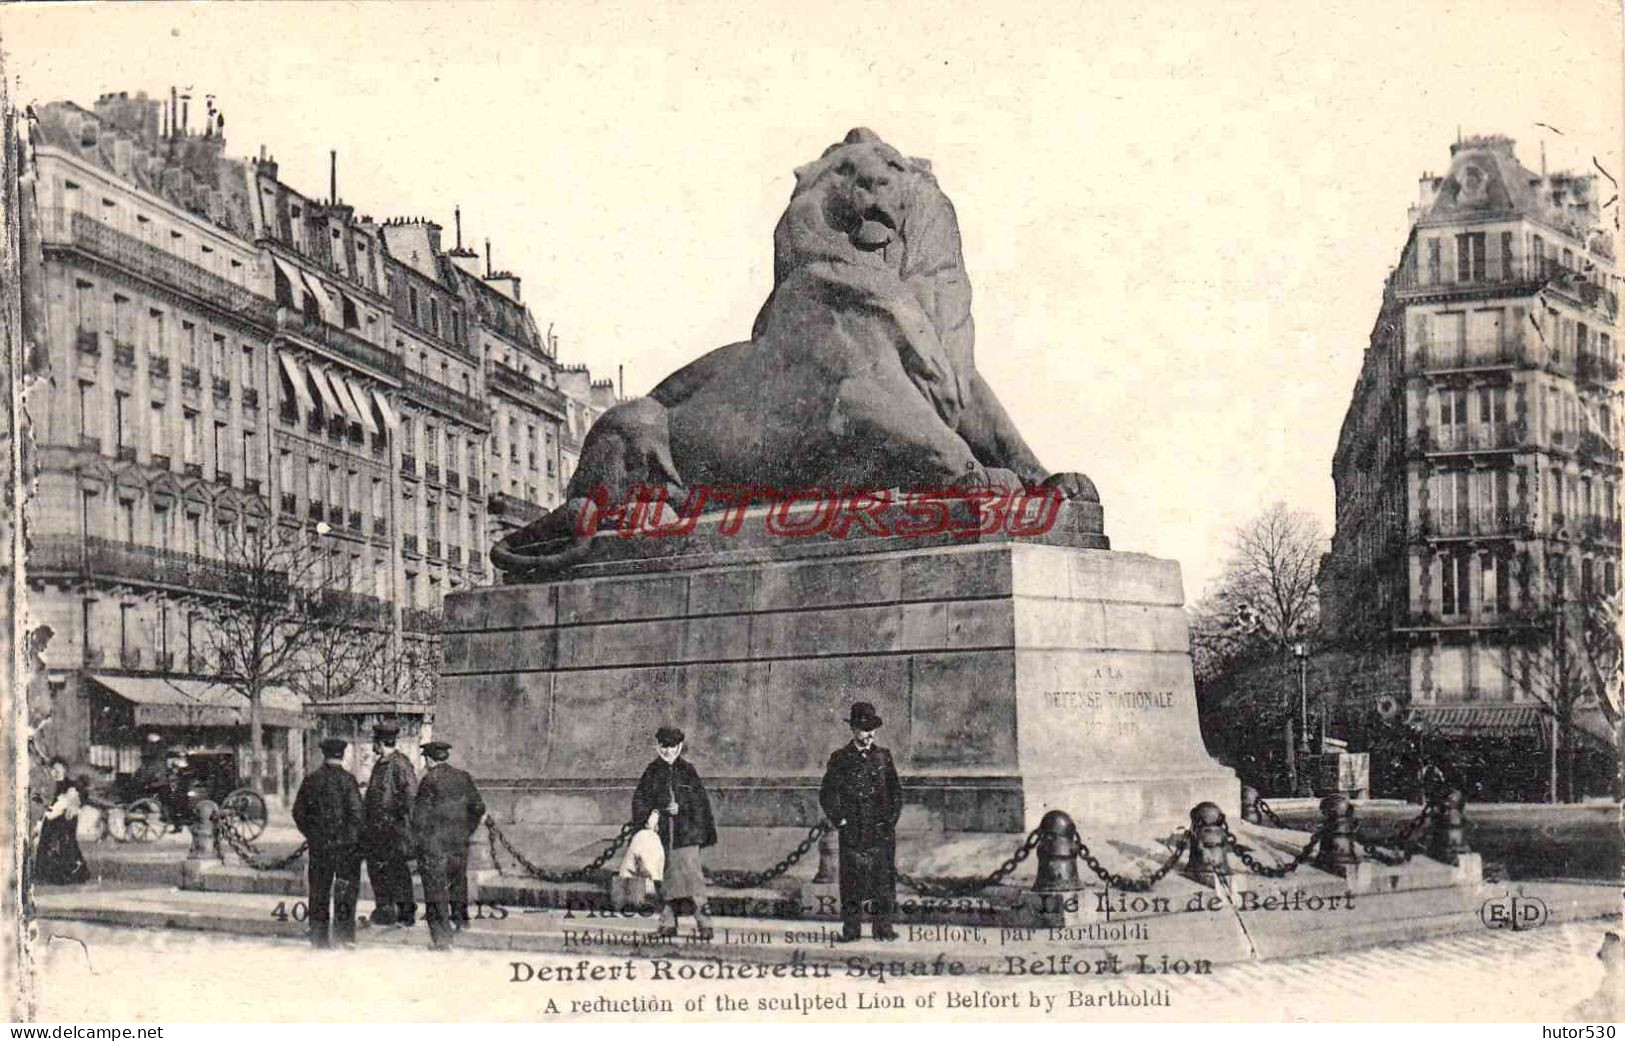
<point>386,836</point>
<point>862,796</point>
<point>327,811</point>
<point>671,787</point>
<point>444,815</point>
<point>58,860</point>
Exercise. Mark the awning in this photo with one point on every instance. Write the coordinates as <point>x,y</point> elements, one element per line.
<point>331,314</point>
<point>1479,720</point>
<point>291,273</point>
<point>342,392</point>
<point>297,378</point>
<point>390,419</point>
<point>330,399</point>
<point>182,702</point>
<point>363,404</point>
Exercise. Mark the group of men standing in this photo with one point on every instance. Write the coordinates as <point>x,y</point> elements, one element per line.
<point>401,819</point>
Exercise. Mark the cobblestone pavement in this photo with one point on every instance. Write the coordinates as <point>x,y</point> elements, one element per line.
<point>90,971</point>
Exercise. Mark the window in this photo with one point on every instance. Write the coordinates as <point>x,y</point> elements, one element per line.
<point>1470,257</point>
<point>121,418</point>
<point>313,479</point>
<point>1452,408</point>
<point>121,318</point>
<point>160,526</point>
<point>1586,576</point>
<point>220,461</point>
<point>1506,255</point>
<point>353,490</point>
<point>84,306</point>
<point>434,316</point>
<point>1433,260</point>
<point>377,497</point>
<point>87,512</point>
<point>217,356</point>
<point>126,519</point>
<point>189,447</point>
<point>194,533</point>
<point>158,439</point>
<point>249,467</point>
<point>124,629</point>
<point>284,471</point>
<point>1453,584</point>
<point>1538,251</point>
<point>248,376</point>
<point>412,303</point>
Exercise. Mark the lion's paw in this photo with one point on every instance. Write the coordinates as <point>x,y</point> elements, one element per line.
<point>1073,486</point>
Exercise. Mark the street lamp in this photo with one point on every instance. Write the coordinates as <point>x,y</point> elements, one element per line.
<point>1300,651</point>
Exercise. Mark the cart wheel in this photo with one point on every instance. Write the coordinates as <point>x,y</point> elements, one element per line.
<point>248,808</point>
<point>143,821</point>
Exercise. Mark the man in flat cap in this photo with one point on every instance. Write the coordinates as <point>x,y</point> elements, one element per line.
<point>386,838</point>
<point>862,796</point>
<point>327,811</point>
<point>671,793</point>
<point>447,810</point>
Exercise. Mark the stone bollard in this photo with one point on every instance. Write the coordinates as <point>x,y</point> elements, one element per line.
<point>829,857</point>
<point>1208,857</point>
<point>1448,839</point>
<point>1249,805</point>
<point>203,812</point>
<point>1338,825</point>
<point>1057,854</point>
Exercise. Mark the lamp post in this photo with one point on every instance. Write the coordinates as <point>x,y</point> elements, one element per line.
<point>1300,651</point>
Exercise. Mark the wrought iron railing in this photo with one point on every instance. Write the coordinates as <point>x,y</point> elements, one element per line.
<point>500,376</point>
<point>340,341</point>
<point>443,399</point>
<point>69,228</point>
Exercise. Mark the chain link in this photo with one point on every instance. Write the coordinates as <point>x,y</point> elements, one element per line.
<point>1400,841</point>
<point>584,873</point>
<point>1274,818</point>
<point>949,888</point>
<point>1143,884</point>
<point>225,828</point>
<point>1271,870</point>
<point>752,879</point>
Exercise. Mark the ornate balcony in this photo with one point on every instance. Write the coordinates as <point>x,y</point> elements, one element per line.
<point>346,344</point>
<point>527,389</point>
<point>66,229</point>
<point>1476,524</point>
<point>1595,368</point>
<point>1472,437</point>
<point>92,559</point>
<point>460,406</point>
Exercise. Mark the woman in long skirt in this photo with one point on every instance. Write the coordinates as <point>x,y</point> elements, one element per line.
<point>671,787</point>
<point>57,859</point>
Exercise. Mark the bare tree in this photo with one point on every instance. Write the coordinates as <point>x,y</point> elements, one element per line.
<point>1573,668</point>
<point>1268,585</point>
<point>285,614</point>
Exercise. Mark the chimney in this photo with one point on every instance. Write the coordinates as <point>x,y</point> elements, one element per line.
<point>487,258</point>
<point>186,113</point>
<point>332,176</point>
<point>174,114</point>
<point>457,217</point>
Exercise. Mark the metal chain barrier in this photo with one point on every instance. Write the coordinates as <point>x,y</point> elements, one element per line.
<point>949,888</point>
<point>1400,841</point>
<point>225,829</point>
<point>729,879</point>
<point>1271,870</point>
<point>584,873</point>
<point>1275,820</point>
<point>1143,884</point>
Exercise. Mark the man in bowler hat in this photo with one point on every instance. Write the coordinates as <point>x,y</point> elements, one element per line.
<point>863,798</point>
<point>447,810</point>
<point>327,811</point>
<point>386,838</point>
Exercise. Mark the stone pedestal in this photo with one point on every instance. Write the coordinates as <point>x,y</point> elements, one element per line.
<point>1015,676</point>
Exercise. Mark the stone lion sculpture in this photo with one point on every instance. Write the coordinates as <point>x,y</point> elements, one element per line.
<point>859,372</point>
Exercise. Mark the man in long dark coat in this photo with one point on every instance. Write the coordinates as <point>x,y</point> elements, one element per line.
<point>447,810</point>
<point>386,840</point>
<point>327,811</point>
<point>862,796</point>
<point>671,787</point>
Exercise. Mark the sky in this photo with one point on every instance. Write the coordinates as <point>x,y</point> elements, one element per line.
<point>1177,217</point>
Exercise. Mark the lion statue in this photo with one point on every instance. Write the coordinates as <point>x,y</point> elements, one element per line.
<point>859,371</point>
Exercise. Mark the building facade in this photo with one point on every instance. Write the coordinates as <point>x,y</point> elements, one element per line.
<point>1477,469</point>
<point>224,352</point>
